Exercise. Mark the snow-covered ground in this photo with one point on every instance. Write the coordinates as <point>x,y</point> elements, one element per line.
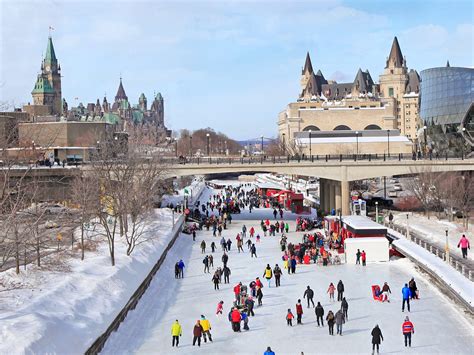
<point>64,306</point>
<point>193,192</point>
<point>147,329</point>
<point>434,230</point>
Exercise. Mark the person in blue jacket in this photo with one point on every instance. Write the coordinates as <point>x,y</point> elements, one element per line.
<point>269,351</point>
<point>181,268</point>
<point>406,297</point>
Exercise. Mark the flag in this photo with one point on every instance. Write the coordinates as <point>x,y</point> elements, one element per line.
<point>51,28</point>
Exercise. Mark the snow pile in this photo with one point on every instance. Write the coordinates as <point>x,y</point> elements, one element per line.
<point>65,305</point>
<point>193,191</point>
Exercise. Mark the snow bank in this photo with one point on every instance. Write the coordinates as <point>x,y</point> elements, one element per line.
<point>65,305</point>
<point>194,191</point>
<point>453,279</point>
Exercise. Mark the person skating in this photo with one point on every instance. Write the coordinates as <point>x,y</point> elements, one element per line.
<point>240,245</point>
<point>244,231</point>
<point>259,295</point>
<point>289,318</point>
<point>406,297</point>
<point>340,320</point>
<point>319,310</point>
<point>331,290</point>
<point>249,303</point>
<point>245,319</point>
<point>220,308</point>
<point>206,328</point>
<point>293,264</point>
<point>363,256</point>
<point>194,235</point>
<point>226,272</point>
<point>377,338</point>
<point>275,213</point>
<point>213,247</point>
<point>229,243</point>
<point>269,351</point>
<point>176,332</point>
<point>345,307</point>
<point>203,247</point>
<point>237,291</point>
<point>287,227</point>
<point>340,290</point>
<point>223,244</point>
<point>309,294</point>
<point>277,272</point>
<point>249,244</point>
<point>235,319</point>
<point>253,251</point>
<point>181,268</point>
<point>252,232</point>
<point>176,271</point>
<point>385,292</point>
<point>407,329</point>
<point>330,320</point>
<point>211,260</point>
<point>206,264</point>
<point>413,288</point>
<point>358,257</point>
<point>197,333</point>
<point>225,259</point>
<point>216,280</point>
<point>299,312</point>
<point>464,244</point>
<point>268,274</point>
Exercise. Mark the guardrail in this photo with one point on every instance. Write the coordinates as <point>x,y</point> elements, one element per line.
<point>99,343</point>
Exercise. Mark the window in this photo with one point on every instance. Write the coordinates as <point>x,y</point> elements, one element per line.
<point>390,92</point>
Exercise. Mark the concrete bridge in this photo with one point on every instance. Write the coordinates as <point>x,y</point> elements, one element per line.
<point>334,175</point>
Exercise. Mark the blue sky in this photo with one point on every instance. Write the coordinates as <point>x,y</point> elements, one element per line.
<point>229,65</point>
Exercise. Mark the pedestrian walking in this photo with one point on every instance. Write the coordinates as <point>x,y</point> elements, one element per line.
<point>252,232</point>
<point>194,235</point>
<point>277,272</point>
<point>330,320</point>
<point>407,329</point>
<point>226,272</point>
<point>363,256</point>
<point>340,320</point>
<point>309,294</point>
<point>225,259</point>
<point>176,332</point>
<point>319,310</point>
<point>299,312</point>
<point>289,318</point>
<point>259,295</point>
<point>377,338</point>
<point>358,257</point>
<point>181,268</point>
<point>253,250</point>
<point>331,290</point>
<point>464,244</point>
<point>413,288</point>
<point>287,227</point>
<point>244,231</point>
<point>275,213</point>
<point>176,271</point>
<point>216,280</point>
<point>203,247</point>
<point>206,328</point>
<point>197,333</point>
<point>406,297</point>
<point>206,264</point>
<point>249,243</point>
<point>345,308</point>
<point>211,260</point>
<point>229,243</point>
<point>268,274</point>
<point>340,290</point>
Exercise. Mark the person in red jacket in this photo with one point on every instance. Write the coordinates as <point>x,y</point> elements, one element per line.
<point>252,232</point>
<point>235,319</point>
<point>363,257</point>
<point>289,318</point>
<point>237,291</point>
<point>408,329</point>
<point>258,282</point>
<point>299,312</point>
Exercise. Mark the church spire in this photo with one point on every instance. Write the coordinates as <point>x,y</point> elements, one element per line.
<point>395,59</point>
<point>50,57</point>
<point>307,65</point>
<point>121,92</point>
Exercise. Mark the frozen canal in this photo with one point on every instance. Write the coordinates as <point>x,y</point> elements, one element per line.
<point>439,326</point>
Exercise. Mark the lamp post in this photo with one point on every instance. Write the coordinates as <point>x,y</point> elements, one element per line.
<point>425,140</point>
<point>207,135</point>
<point>357,144</point>
<point>225,148</point>
<point>376,211</point>
<point>310,153</point>
<point>446,248</point>
<point>284,144</point>
<point>190,147</point>
<point>388,143</point>
<point>462,144</point>
<point>263,152</point>
<point>408,228</point>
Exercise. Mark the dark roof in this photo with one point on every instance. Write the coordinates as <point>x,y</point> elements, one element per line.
<point>363,81</point>
<point>395,57</point>
<point>336,91</point>
<point>121,93</point>
<point>307,64</point>
<point>413,84</point>
<point>447,64</point>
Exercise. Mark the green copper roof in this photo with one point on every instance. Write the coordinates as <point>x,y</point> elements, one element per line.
<point>42,86</point>
<point>124,104</point>
<point>50,55</point>
<point>137,116</point>
<point>111,118</point>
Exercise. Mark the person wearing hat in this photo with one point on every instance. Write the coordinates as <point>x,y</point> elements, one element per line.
<point>176,333</point>
<point>269,351</point>
<point>197,333</point>
<point>377,338</point>
<point>206,328</point>
<point>408,329</point>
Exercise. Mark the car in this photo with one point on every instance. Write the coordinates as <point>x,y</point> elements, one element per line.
<point>55,209</point>
<point>392,194</point>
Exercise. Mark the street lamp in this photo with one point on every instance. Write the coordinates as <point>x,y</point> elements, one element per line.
<point>408,228</point>
<point>284,144</point>
<point>377,211</point>
<point>207,135</point>
<point>357,144</point>
<point>310,143</point>
<point>446,248</point>
<point>263,152</point>
<point>388,143</point>
<point>190,146</point>
<point>425,140</point>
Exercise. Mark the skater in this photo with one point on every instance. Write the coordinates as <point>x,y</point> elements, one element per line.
<point>194,235</point>
<point>197,333</point>
<point>281,213</point>
<point>240,245</point>
<point>226,272</point>
<point>245,319</point>
<point>277,272</point>
<point>464,244</point>
<point>340,320</point>
<point>413,288</point>
<point>330,320</point>
<point>259,295</point>
<point>406,298</point>
<point>229,243</point>
<point>287,227</point>
<point>268,274</point>
<point>407,329</point>
<point>253,250</point>
<point>331,290</point>
<point>249,303</point>
<point>377,338</point>
<point>220,308</point>
<point>223,244</point>
<point>206,328</point>
<point>176,271</point>
<point>237,291</point>
<point>299,312</point>
<point>293,264</point>
<point>203,247</point>
<point>345,308</point>
<point>216,280</point>
<point>211,260</point>
<point>340,290</point>
<point>309,294</point>
<point>258,238</point>
<point>235,318</point>
<point>275,213</point>
<point>385,291</point>
<point>249,243</point>
<point>358,257</point>
<point>363,256</point>
<point>244,231</point>
<point>225,259</point>
<point>176,332</point>
<point>206,264</point>
<point>319,310</point>
<point>213,247</point>
<point>252,232</point>
<point>181,268</point>
<point>269,351</point>
<point>289,318</point>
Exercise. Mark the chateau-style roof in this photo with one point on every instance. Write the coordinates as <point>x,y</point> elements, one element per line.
<point>395,58</point>
<point>363,81</point>
<point>121,93</point>
<point>413,84</point>
<point>50,55</point>
<point>307,65</point>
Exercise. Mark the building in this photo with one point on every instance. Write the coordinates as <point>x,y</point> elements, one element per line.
<point>325,106</point>
<point>447,110</point>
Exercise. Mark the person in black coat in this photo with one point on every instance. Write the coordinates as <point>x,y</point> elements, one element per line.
<point>226,272</point>
<point>344,307</point>
<point>319,310</point>
<point>309,294</point>
<point>340,290</point>
<point>377,338</point>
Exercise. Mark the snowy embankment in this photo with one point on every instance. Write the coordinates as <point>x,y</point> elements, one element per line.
<point>297,186</point>
<point>452,278</point>
<point>193,191</point>
<point>63,306</point>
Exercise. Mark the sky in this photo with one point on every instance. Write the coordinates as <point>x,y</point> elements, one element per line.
<point>229,65</point>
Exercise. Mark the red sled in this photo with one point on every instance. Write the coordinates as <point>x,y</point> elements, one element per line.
<point>375,292</point>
